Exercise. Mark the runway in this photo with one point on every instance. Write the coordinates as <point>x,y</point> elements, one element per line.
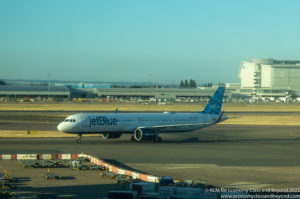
<point>220,154</point>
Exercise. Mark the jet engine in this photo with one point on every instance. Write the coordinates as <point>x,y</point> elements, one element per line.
<point>144,134</point>
<point>111,135</point>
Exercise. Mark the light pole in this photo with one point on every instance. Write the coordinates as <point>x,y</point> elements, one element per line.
<point>49,83</point>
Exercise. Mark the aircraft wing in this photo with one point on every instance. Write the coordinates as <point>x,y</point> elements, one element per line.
<point>178,125</point>
<point>184,125</point>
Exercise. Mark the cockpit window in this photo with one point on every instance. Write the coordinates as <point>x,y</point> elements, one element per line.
<point>69,120</point>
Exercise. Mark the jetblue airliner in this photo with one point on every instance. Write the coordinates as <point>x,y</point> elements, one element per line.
<point>144,126</point>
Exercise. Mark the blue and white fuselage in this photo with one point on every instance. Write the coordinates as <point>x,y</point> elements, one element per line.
<point>144,126</point>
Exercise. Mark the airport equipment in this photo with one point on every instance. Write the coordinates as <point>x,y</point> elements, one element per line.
<point>76,164</point>
<point>26,163</point>
<point>122,194</point>
<point>96,167</point>
<point>188,191</point>
<point>51,163</point>
<point>5,193</point>
<point>166,181</point>
<point>83,159</point>
<point>50,175</point>
<point>6,183</point>
<point>124,179</point>
<point>191,183</point>
<point>58,158</point>
<point>6,176</point>
<point>143,187</point>
<point>109,174</point>
<point>166,190</point>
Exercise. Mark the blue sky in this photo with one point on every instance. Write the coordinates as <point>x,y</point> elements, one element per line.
<point>159,40</point>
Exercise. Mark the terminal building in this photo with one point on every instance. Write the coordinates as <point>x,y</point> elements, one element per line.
<point>269,77</point>
<point>158,93</point>
<point>32,92</point>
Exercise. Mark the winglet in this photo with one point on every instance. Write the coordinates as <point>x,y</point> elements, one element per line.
<point>215,103</point>
<point>116,110</point>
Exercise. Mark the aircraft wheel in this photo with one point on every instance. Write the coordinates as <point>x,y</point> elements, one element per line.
<point>159,139</point>
<point>132,138</point>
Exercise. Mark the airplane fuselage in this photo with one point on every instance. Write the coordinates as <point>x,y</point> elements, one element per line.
<point>128,122</point>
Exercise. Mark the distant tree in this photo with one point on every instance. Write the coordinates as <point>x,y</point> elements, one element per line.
<point>181,84</point>
<point>221,84</point>
<point>186,84</point>
<point>2,82</point>
<point>207,85</point>
<point>192,83</point>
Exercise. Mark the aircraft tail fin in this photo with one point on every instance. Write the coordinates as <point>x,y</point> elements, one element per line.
<point>215,103</point>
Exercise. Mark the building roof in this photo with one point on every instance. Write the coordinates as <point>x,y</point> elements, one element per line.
<point>33,90</point>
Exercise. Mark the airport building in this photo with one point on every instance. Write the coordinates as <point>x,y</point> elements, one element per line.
<point>31,92</point>
<point>158,93</point>
<point>269,77</point>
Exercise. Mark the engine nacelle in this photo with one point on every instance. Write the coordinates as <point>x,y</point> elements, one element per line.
<point>144,134</point>
<point>111,135</point>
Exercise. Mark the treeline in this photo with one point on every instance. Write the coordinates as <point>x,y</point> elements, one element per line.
<point>188,84</point>
<point>140,86</point>
<point>211,84</point>
<point>192,84</point>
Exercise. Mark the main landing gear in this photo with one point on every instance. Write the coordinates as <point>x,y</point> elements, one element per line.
<point>78,140</point>
<point>155,139</point>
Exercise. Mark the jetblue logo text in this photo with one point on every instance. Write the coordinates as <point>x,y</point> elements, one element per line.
<point>102,120</point>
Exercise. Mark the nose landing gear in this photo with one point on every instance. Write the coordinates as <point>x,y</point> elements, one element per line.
<point>78,140</point>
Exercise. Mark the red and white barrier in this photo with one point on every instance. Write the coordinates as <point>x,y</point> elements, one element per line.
<point>114,169</point>
<point>38,156</point>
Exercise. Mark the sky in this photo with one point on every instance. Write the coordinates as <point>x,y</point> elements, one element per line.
<point>161,41</point>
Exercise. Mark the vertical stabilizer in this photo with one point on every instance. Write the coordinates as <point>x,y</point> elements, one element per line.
<point>215,103</point>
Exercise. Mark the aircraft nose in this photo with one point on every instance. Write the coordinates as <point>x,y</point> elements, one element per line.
<point>60,127</point>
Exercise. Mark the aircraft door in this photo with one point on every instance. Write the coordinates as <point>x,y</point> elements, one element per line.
<point>84,121</point>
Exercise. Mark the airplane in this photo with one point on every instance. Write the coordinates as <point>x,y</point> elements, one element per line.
<point>144,126</point>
